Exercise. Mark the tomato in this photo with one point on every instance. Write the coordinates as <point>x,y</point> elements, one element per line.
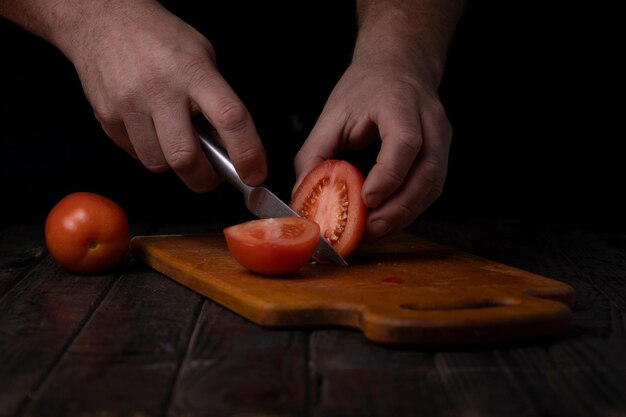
<point>330,195</point>
<point>87,233</point>
<point>273,246</point>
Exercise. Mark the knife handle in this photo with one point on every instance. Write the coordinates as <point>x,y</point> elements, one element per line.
<point>219,159</point>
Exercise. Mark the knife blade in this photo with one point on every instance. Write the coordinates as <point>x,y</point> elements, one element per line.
<point>259,199</point>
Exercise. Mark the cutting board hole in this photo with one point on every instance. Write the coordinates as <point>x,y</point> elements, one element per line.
<point>458,305</point>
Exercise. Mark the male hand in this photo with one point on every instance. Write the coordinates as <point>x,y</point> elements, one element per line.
<point>145,73</point>
<point>385,100</point>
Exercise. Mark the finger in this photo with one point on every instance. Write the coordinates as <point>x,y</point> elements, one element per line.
<point>401,140</point>
<point>424,183</point>
<point>116,130</point>
<point>422,188</point>
<point>143,137</point>
<point>181,149</point>
<point>323,143</point>
<point>234,126</point>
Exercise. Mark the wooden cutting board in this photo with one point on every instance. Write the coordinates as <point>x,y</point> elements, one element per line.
<point>402,290</point>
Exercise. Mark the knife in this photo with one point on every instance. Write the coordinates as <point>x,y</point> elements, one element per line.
<point>259,200</point>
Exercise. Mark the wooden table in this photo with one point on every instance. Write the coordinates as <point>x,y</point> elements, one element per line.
<point>137,343</point>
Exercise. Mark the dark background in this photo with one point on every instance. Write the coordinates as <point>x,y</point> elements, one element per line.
<point>529,89</point>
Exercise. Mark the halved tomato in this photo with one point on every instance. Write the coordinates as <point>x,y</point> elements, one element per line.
<point>273,246</point>
<point>330,195</point>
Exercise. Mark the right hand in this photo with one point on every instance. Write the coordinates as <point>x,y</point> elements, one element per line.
<point>145,72</point>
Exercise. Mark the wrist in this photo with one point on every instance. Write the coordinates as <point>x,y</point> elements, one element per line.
<point>413,34</point>
<point>75,27</point>
<point>94,22</point>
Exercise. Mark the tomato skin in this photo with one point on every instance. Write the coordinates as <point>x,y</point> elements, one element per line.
<point>330,195</point>
<point>87,233</point>
<point>273,246</point>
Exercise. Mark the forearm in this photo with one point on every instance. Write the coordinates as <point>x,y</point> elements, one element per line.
<point>67,24</point>
<point>416,32</point>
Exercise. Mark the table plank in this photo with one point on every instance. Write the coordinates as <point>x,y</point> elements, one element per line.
<point>39,317</point>
<point>598,253</point>
<point>21,247</point>
<point>234,367</point>
<point>353,377</point>
<point>127,356</point>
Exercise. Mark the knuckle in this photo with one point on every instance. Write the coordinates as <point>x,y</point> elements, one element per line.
<point>405,213</point>
<point>434,175</point>
<point>108,119</point>
<point>208,49</point>
<point>196,69</point>
<point>231,115</point>
<point>181,160</point>
<point>409,142</point>
<point>444,122</point>
<point>394,176</point>
<point>140,89</point>
<point>246,155</point>
<point>155,87</point>
<point>398,92</point>
<point>402,215</point>
<point>390,174</point>
<point>126,98</point>
<point>435,192</point>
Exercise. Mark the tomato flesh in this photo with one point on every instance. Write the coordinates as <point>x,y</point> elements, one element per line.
<point>273,246</point>
<point>330,195</point>
<point>87,233</point>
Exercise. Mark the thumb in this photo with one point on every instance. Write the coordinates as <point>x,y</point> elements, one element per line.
<point>324,142</point>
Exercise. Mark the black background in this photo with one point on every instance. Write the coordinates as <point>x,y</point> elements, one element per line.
<point>530,90</point>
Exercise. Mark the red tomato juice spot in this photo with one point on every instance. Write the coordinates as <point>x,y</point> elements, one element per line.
<point>393,280</point>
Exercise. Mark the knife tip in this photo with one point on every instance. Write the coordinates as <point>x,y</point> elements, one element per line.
<point>330,255</point>
<point>342,262</point>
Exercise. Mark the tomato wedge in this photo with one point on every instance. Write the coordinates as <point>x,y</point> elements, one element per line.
<point>273,246</point>
<point>330,195</point>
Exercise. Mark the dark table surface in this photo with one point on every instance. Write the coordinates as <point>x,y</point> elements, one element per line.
<point>136,343</point>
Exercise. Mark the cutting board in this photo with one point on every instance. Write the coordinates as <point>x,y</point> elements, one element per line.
<point>402,290</point>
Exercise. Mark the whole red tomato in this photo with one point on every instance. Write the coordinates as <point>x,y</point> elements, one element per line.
<point>87,233</point>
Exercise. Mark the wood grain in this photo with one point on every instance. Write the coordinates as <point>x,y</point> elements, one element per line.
<point>39,317</point>
<point>125,359</point>
<point>234,367</point>
<point>403,290</point>
<point>20,249</point>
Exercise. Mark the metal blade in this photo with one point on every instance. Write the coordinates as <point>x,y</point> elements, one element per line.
<point>264,204</point>
<point>325,251</point>
<point>259,200</point>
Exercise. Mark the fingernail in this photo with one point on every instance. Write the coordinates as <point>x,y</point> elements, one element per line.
<point>379,227</point>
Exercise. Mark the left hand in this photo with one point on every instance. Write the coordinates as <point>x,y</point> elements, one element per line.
<point>386,100</point>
